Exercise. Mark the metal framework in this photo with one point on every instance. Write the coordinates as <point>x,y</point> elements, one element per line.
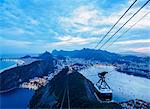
<point>103,83</point>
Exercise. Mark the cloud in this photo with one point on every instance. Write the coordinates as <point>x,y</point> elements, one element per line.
<point>112,18</point>
<point>97,31</point>
<point>71,40</point>
<point>81,21</point>
<point>91,30</point>
<point>33,21</point>
<point>81,15</point>
<point>92,20</point>
<point>133,42</point>
<point>14,43</point>
<point>43,24</point>
<point>143,23</point>
<point>15,31</point>
<point>142,49</point>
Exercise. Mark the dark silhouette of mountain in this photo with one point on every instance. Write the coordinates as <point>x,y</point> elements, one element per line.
<point>12,78</point>
<point>65,53</point>
<point>60,57</point>
<point>88,54</point>
<point>27,56</point>
<point>101,55</point>
<point>81,93</point>
<point>46,56</point>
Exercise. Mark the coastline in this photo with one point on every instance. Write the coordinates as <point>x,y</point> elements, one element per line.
<point>5,91</point>
<point>7,68</point>
<point>16,62</point>
<point>134,74</point>
<point>121,84</point>
<point>12,98</point>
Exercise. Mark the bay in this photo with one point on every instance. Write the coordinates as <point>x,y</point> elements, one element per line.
<point>16,99</point>
<point>6,64</point>
<point>125,87</point>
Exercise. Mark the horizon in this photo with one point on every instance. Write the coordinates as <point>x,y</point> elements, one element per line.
<point>36,26</point>
<point>138,54</point>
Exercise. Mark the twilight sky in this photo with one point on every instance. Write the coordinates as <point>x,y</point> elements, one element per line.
<point>33,26</point>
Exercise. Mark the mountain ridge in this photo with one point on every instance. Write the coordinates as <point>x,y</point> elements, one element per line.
<point>132,65</point>
<point>101,55</point>
<point>51,95</point>
<point>15,76</point>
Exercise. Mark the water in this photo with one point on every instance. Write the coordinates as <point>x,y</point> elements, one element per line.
<point>15,99</point>
<point>6,64</point>
<point>125,87</point>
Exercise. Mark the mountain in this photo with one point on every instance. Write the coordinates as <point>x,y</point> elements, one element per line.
<point>129,64</point>
<point>13,77</point>
<point>46,56</point>
<point>25,57</point>
<point>87,54</point>
<point>101,55</point>
<point>60,57</point>
<point>65,53</point>
<point>73,85</point>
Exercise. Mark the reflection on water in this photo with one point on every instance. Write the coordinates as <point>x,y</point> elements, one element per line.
<point>125,87</point>
<point>17,98</point>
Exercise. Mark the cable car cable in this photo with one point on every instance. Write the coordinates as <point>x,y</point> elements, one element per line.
<point>125,23</point>
<point>115,24</point>
<point>128,29</point>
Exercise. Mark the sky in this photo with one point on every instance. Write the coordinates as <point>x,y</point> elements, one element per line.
<point>34,26</point>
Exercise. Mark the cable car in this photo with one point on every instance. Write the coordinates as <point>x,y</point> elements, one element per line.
<point>103,92</point>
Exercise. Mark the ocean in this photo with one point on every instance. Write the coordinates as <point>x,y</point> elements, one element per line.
<point>125,87</point>
<point>6,64</point>
<point>17,98</point>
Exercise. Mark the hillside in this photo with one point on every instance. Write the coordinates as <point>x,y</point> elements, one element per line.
<point>80,93</point>
<point>13,77</point>
<point>133,65</point>
<point>101,55</point>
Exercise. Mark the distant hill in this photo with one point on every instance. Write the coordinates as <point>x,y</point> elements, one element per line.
<point>13,77</point>
<point>65,53</point>
<point>101,55</point>
<point>80,93</point>
<point>27,56</point>
<point>60,57</point>
<point>46,56</point>
<point>129,64</point>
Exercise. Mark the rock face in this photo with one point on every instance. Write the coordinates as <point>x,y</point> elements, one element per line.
<point>12,78</point>
<point>68,90</point>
